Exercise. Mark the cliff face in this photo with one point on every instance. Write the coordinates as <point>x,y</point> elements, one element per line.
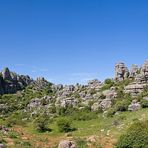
<point>11,82</point>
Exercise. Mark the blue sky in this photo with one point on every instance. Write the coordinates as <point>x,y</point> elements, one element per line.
<point>69,41</point>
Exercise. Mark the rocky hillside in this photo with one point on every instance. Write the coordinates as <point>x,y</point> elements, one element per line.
<point>97,95</point>
<point>27,101</point>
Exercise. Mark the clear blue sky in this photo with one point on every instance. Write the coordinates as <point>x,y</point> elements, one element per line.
<point>69,41</point>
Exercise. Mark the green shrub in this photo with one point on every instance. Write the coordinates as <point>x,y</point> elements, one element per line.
<point>41,123</point>
<point>109,81</point>
<point>111,112</point>
<point>144,103</point>
<point>84,116</point>
<point>135,137</point>
<point>65,125</point>
<point>122,105</point>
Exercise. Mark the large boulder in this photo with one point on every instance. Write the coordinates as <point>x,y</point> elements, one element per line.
<point>134,106</point>
<point>67,144</point>
<point>2,145</point>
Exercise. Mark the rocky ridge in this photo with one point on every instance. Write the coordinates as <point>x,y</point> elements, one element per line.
<point>95,94</point>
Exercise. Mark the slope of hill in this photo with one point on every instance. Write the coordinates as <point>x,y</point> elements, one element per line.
<point>37,113</point>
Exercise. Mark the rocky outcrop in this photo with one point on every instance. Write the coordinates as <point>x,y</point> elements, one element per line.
<point>40,83</point>
<point>140,81</point>
<point>134,71</point>
<point>94,84</point>
<point>11,82</point>
<point>6,74</point>
<point>121,72</point>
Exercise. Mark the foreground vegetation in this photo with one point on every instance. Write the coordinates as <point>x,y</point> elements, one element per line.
<point>102,127</point>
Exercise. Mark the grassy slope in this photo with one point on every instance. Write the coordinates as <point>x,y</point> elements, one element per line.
<point>85,129</point>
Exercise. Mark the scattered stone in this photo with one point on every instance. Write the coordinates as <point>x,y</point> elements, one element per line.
<point>67,144</point>
<point>92,139</point>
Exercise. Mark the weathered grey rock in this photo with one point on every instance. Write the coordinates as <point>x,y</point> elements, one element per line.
<point>145,98</point>
<point>134,70</point>
<point>10,82</point>
<point>69,88</point>
<point>141,81</point>
<point>67,144</point>
<point>134,106</point>
<point>40,84</point>
<point>65,102</point>
<point>96,106</point>
<point>94,84</point>
<point>121,72</point>
<point>105,104</point>
<point>3,108</point>
<point>34,103</point>
<point>134,89</point>
<point>110,94</point>
<point>57,87</point>
<point>144,69</point>
<point>6,74</point>
<point>2,145</point>
<point>1,85</point>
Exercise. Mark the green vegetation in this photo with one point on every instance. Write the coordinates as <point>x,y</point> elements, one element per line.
<point>135,137</point>
<point>65,125</point>
<point>41,123</point>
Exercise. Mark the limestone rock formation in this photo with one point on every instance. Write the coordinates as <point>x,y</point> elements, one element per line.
<point>121,72</point>
<point>140,82</point>
<point>11,82</point>
<point>134,106</point>
<point>134,71</point>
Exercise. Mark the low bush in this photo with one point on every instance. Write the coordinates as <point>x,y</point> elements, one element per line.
<point>111,112</point>
<point>65,125</point>
<point>135,137</point>
<point>144,103</point>
<point>122,105</point>
<point>84,116</point>
<point>41,123</point>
